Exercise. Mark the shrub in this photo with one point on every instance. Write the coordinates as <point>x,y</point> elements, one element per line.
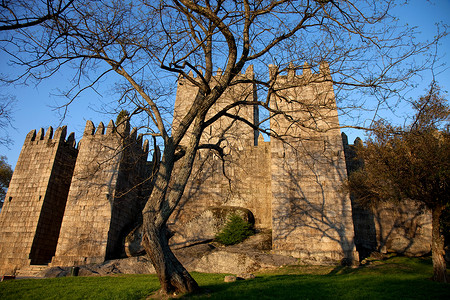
<point>123,114</point>
<point>235,231</point>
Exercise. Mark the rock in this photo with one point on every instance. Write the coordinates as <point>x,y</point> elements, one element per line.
<point>239,262</point>
<point>189,256</point>
<point>133,241</point>
<point>230,278</point>
<point>55,272</point>
<point>246,276</point>
<point>132,265</point>
<point>205,226</point>
<point>260,241</point>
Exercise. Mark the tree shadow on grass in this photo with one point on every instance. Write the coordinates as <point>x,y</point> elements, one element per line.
<point>393,278</point>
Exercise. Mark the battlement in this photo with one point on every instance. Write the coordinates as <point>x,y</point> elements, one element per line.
<point>306,77</point>
<point>121,131</point>
<point>247,74</point>
<point>59,136</point>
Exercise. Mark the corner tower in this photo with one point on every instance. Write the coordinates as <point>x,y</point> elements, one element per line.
<point>31,218</point>
<point>103,202</point>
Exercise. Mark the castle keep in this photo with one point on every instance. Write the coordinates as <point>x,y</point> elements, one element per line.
<point>292,184</point>
<point>69,205</point>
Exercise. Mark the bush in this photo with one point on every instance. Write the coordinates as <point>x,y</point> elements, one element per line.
<point>235,231</point>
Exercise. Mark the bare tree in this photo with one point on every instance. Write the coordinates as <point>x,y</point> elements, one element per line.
<point>140,43</point>
<point>7,104</point>
<point>21,14</point>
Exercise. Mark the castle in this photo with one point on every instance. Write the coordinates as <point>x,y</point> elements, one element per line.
<point>70,205</point>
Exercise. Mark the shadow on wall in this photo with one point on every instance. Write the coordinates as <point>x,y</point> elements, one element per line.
<point>312,216</point>
<point>404,227</point>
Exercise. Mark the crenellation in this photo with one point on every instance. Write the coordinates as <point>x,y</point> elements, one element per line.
<point>307,73</point>
<point>40,135</point>
<point>139,140</point>
<point>60,134</point>
<point>133,134</point>
<point>249,72</point>
<point>100,129</point>
<point>89,129</point>
<point>71,140</point>
<point>324,70</point>
<point>146,146</point>
<point>110,129</point>
<point>49,133</point>
<point>291,72</point>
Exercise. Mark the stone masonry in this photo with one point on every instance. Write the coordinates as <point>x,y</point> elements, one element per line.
<point>69,205</point>
<point>34,207</point>
<point>292,184</point>
<point>103,204</point>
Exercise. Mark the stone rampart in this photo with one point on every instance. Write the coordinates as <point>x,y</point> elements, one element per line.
<point>403,227</point>
<point>102,206</point>
<point>78,204</point>
<point>34,205</point>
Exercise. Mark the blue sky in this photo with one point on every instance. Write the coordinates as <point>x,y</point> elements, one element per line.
<point>35,107</point>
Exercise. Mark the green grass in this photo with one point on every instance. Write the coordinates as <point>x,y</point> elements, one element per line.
<point>394,278</point>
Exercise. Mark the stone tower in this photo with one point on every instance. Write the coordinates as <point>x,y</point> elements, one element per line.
<point>34,205</point>
<point>235,134</point>
<point>104,202</point>
<point>292,184</point>
<point>311,215</point>
<point>240,179</point>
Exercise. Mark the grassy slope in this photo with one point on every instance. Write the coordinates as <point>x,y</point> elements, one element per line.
<point>395,278</point>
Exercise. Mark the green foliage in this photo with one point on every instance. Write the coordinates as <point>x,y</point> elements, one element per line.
<point>410,162</point>
<point>5,177</point>
<point>394,278</point>
<point>123,114</point>
<point>235,231</point>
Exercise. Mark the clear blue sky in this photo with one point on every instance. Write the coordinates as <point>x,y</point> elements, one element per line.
<point>34,104</point>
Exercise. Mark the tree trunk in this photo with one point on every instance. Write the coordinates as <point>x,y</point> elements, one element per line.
<point>166,194</point>
<point>173,277</point>
<point>437,247</point>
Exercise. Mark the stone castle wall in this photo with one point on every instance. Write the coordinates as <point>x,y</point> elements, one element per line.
<point>74,206</point>
<point>102,206</point>
<point>31,217</point>
<point>292,184</point>
<point>403,227</point>
<point>311,214</point>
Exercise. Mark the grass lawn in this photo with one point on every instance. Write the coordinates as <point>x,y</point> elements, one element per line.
<point>394,278</point>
